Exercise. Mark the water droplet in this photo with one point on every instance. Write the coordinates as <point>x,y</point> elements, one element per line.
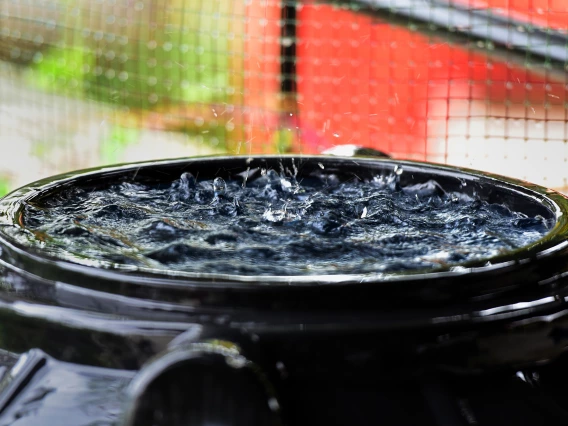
<point>187,180</point>
<point>272,175</point>
<point>219,186</point>
<point>273,404</point>
<point>273,215</point>
<point>521,376</point>
<point>398,170</point>
<point>236,361</point>
<point>286,185</point>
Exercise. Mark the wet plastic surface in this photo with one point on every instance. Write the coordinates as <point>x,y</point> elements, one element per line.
<point>42,391</point>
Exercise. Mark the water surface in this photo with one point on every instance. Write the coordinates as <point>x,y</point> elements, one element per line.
<point>271,223</point>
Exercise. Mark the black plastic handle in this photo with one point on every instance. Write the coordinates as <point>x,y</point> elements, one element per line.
<point>198,384</point>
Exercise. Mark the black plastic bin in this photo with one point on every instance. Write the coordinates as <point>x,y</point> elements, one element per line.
<point>476,343</point>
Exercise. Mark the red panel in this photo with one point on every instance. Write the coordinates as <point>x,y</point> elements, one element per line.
<point>390,80</point>
<point>262,71</point>
<point>369,85</point>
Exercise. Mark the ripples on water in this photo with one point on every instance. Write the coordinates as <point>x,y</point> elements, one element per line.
<point>266,223</point>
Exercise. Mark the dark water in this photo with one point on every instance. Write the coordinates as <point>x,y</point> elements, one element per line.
<point>269,224</point>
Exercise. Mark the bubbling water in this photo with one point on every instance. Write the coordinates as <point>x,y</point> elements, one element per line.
<point>271,223</point>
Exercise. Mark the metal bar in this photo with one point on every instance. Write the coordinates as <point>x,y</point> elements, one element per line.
<point>288,47</point>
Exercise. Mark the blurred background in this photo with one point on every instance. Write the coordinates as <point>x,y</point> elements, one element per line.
<point>475,83</point>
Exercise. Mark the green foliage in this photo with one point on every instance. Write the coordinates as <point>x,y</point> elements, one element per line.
<point>119,139</point>
<point>210,88</point>
<point>5,186</point>
<point>161,56</point>
<point>283,140</point>
<point>62,69</point>
<point>170,56</point>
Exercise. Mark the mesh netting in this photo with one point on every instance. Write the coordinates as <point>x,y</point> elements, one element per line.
<point>479,83</point>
